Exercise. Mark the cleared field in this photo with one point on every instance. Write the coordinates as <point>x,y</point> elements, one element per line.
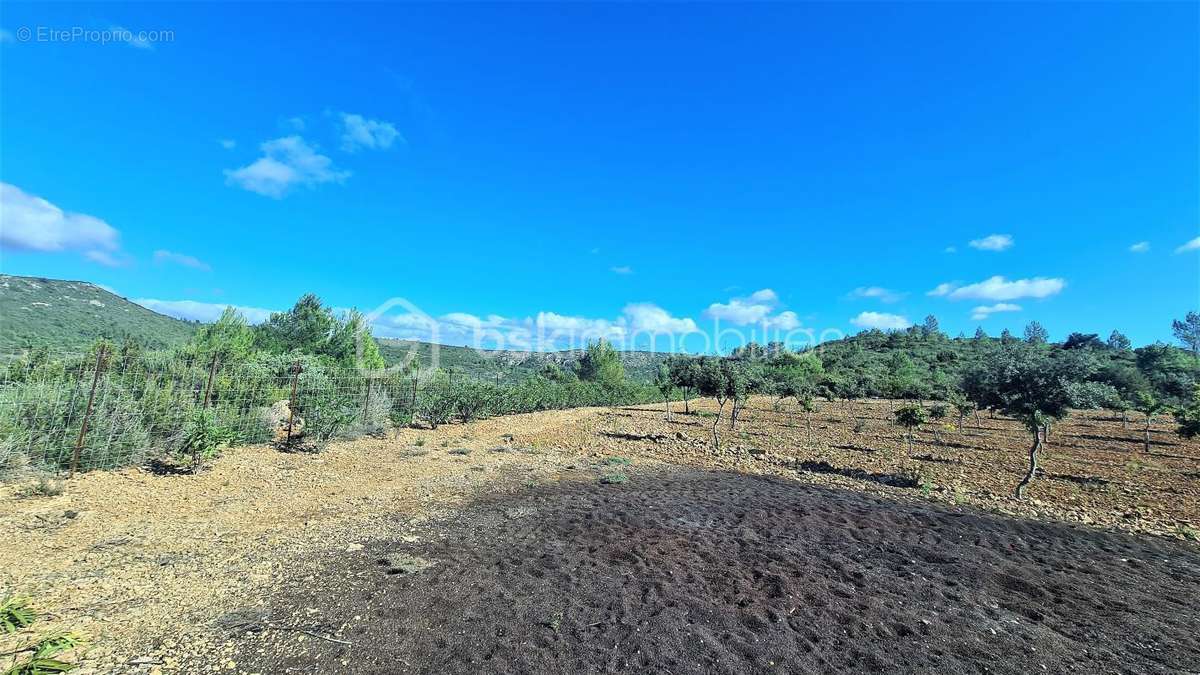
<point>182,573</point>
<point>701,572</point>
<point>1094,468</point>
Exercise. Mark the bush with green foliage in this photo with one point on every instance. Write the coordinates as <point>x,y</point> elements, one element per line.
<point>911,417</point>
<point>1188,417</point>
<point>203,437</point>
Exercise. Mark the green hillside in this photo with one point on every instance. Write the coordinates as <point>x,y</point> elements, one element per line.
<point>67,316</point>
<point>505,365</point>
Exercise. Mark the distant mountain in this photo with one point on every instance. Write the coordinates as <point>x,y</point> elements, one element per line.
<point>67,316</point>
<point>505,364</point>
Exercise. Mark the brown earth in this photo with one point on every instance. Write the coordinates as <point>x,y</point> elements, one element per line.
<point>147,566</point>
<point>701,572</point>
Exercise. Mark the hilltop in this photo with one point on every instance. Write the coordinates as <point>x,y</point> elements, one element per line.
<point>67,316</point>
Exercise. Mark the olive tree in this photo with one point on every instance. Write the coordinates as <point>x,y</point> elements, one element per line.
<point>745,378</point>
<point>1149,405</point>
<point>717,380</point>
<point>664,384</point>
<point>792,375</point>
<point>963,406</point>
<point>1032,387</point>
<point>911,417</point>
<point>685,375</point>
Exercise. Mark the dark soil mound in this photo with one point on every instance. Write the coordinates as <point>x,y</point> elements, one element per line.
<point>703,572</point>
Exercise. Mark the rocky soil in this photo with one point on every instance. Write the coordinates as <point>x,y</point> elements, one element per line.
<point>156,570</point>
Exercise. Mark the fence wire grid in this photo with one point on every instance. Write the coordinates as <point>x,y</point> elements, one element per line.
<point>106,409</point>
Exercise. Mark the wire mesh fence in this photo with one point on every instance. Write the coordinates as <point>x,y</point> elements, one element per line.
<point>107,409</point>
<point>102,412</point>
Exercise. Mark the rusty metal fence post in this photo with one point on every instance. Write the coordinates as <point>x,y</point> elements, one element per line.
<point>212,372</point>
<point>101,355</point>
<point>296,369</point>
<point>367,403</point>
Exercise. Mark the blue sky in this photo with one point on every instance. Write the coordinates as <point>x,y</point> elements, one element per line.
<point>615,167</point>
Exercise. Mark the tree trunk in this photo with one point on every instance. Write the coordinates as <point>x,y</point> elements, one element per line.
<point>716,421</point>
<point>1124,419</point>
<point>1146,435</point>
<point>808,424</point>
<point>961,417</point>
<point>687,394</point>
<point>1033,463</point>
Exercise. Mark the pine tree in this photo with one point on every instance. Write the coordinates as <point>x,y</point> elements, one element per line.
<point>1036,334</point>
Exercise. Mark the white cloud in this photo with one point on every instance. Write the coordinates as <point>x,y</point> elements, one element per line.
<point>286,162</point>
<point>881,321</point>
<point>951,249</point>
<point>782,321</point>
<point>765,295</point>
<point>742,311</point>
<point>993,242</point>
<point>360,132</point>
<point>943,289</point>
<point>107,259</point>
<point>295,123</point>
<point>162,256</point>
<point>31,223</point>
<point>206,312</point>
<point>878,293</point>
<point>999,288</point>
<point>645,317</point>
<point>757,308</point>
<point>227,143</point>
<point>1140,247</point>
<point>984,311</point>
<point>543,331</point>
<point>1193,245</point>
<point>621,269</point>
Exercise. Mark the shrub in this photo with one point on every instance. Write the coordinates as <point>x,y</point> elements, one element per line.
<point>44,486</point>
<point>614,478</point>
<point>474,400</point>
<point>203,437</point>
<point>435,408</point>
<point>1093,395</point>
<point>1188,417</point>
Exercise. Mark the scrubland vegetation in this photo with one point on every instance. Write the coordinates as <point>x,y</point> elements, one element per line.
<point>223,387</point>
<point>306,376</point>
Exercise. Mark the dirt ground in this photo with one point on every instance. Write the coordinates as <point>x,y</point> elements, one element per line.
<point>196,573</point>
<point>701,572</point>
